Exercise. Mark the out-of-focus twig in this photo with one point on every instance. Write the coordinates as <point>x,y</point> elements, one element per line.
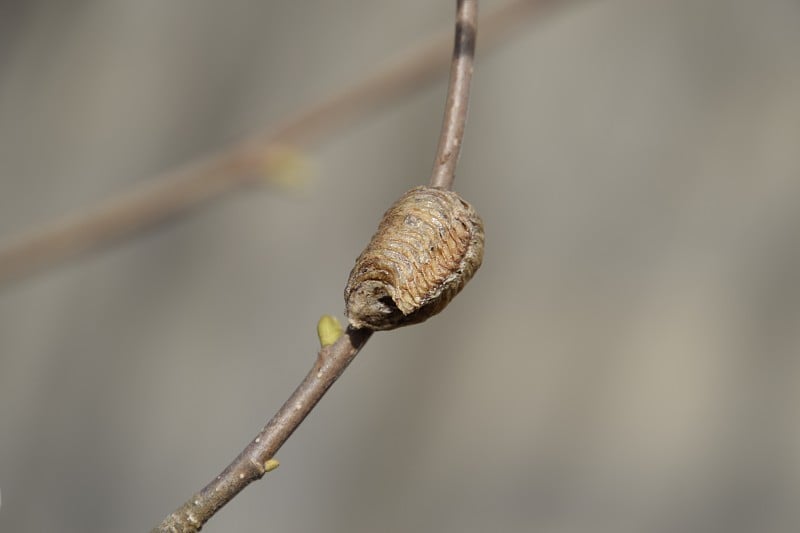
<point>242,164</point>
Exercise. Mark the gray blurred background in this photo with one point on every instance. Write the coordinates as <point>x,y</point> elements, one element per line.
<point>625,361</point>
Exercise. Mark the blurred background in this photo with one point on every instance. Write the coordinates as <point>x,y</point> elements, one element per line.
<point>626,360</point>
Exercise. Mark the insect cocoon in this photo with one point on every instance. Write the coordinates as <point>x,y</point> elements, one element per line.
<point>427,247</point>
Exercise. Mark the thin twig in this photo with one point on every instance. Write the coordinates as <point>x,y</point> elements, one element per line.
<point>455,115</point>
<point>250,465</point>
<point>178,191</point>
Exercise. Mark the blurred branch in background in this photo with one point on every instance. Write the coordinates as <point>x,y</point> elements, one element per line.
<point>246,163</point>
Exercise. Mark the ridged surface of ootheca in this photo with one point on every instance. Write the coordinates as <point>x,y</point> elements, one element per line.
<point>428,245</point>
